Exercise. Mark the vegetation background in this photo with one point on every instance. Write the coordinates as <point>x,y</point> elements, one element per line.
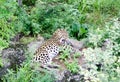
<point>95,20</point>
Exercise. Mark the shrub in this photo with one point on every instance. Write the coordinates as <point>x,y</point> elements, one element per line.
<point>29,2</point>
<point>103,64</point>
<point>7,18</point>
<point>58,15</point>
<point>27,74</point>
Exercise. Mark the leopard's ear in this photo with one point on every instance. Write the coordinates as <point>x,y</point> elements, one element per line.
<point>59,31</point>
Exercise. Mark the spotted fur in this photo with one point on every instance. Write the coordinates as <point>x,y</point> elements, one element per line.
<point>49,49</point>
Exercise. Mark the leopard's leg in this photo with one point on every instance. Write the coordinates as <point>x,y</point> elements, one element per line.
<point>50,64</point>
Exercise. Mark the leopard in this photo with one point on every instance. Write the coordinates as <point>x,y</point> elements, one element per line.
<point>51,47</point>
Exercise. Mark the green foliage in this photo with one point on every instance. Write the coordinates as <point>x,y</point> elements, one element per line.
<point>26,40</point>
<point>78,31</point>
<point>104,6</point>
<point>6,29</point>
<point>104,63</point>
<point>97,12</point>
<point>1,64</point>
<point>26,74</point>
<point>29,2</point>
<point>113,32</point>
<point>110,8</point>
<point>5,33</point>
<point>22,24</point>
<point>22,75</point>
<point>60,15</point>
<point>3,44</point>
<point>77,55</point>
<point>72,66</point>
<point>7,10</point>
<point>66,55</point>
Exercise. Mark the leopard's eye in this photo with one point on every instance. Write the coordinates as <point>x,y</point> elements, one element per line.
<point>62,40</point>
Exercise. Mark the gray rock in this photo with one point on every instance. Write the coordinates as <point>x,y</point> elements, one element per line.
<point>11,58</point>
<point>67,76</point>
<point>33,46</point>
<point>77,44</point>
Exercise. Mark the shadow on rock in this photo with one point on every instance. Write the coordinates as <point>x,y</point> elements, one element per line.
<point>67,76</point>
<point>12,58</point>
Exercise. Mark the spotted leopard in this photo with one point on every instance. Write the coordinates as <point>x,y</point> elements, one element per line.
<point>51,48</point>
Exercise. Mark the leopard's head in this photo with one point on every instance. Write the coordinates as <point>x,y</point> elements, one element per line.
<point>60,35</point>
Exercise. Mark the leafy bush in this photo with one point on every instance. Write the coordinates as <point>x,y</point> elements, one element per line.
<point>66,55</point>
<point>72,66</point>
<point>44,20</point>
<point>29,2</point>
<point>58,15</point>
<point>27,74</point>
<point>103,63</point>
<point>22,23</point>
<point>7,18</point>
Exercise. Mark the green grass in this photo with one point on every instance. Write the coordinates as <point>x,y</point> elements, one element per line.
<point>27,74</point>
